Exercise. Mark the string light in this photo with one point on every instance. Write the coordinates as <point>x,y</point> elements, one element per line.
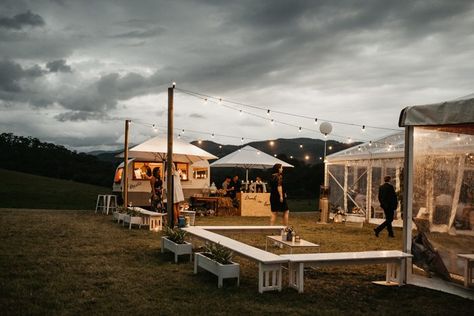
<point>274,155</point>
<point>301,145</point>
<point>370,143</point>
<point>306,157</point>
<point>179,136</point>
<point>268,112</point>
<point>174,84</point>
<point>155,129</point>
<point>242,139</point>
<point>299,129</point>
<point>330,147</point>
<point>315,121</point>
<point>458,138</point>
<point>221,100</point>
<point>212,135</point>
<point>272,143</point>
<point>200,141</point>
<point>291,157</point>
<point>182,131</point>
<point>363,128</point>
<point>272,121</point>
<point>349,140</point>
<point>240,112</point>
<point>220,146</point>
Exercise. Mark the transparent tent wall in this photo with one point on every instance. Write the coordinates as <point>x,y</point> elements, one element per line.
<point>336,195</point>
<point>443,195</point>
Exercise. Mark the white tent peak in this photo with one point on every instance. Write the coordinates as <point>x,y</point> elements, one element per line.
<point>155,149</point>
<point>250,158</point>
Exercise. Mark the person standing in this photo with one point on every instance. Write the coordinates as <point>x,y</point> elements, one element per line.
<point>156,190</point>
<point>278,202</point>
<point>388,201</point>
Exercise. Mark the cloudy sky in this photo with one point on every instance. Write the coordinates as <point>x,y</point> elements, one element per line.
<point>71,71</point>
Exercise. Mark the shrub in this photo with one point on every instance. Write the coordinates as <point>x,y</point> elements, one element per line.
<point>219,253</point>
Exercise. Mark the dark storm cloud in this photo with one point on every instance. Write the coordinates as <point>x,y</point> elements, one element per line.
<point>58,66</point>
<point>18,21</point>
<point>76,116</point>
<point>153,32</point>
<point>11,75</point>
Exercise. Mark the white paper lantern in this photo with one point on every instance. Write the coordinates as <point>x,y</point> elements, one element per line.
<point>325,128</point>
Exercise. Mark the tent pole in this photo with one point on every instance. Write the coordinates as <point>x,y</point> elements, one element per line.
<point>247,179</point>
<point>169,160</point>
<point>125,166</point>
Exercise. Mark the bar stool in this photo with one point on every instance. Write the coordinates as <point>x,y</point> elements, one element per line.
<point>101,204</point>
<point>111,203</point>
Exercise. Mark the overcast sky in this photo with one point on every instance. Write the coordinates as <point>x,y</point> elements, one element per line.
<point>71,71</point>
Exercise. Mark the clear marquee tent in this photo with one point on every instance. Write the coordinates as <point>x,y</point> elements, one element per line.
<point>432,167</point>
<point>439,186</point>
<point>356,173</point>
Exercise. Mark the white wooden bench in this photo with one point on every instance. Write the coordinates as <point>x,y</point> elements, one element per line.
<point>469,265</point>
<point>244,229</point>
<point>393,259</point>
<point>269,265</point>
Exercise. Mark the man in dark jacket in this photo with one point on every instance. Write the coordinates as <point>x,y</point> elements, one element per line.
<point>388,201</point>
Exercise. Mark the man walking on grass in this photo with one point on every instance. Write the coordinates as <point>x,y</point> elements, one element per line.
<point>388,201</point>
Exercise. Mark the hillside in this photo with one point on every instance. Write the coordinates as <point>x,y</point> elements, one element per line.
<point>21,190</point>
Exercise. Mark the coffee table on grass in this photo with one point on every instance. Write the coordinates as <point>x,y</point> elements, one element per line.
<point>291,244</point>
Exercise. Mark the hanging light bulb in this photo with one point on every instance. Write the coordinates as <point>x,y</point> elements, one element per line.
<point>155,129</point>
<point>363,128</point>
<point>301,145</point>
<point>220,146</point>
<point>320,158</point>
<point>205,100</point>
<point>179,136</point>
<point>258,153</point>
<point>359,149</point>
<point>220,100</point>
<point>370,143</point>
<point>272,143</point>
<point>182,131</point>
<point>212,135</point>
<point>315,121</point>
<point>200,141</point>
<point>242,139</point>
<point>174,84</point>
<point>240,112</point>
<point>349,140</point>
<point>268,112</point>
<point>306,157</point>
<point>330,147</point>
<point>458,138</point>
<point>274,155</point>
<point>272,121</point>
<point>299,129</point>
<point>291,157</point>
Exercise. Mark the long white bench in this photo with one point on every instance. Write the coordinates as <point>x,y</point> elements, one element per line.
<point>244,229</point>
<point>393,259</point>
<point>269,264</point>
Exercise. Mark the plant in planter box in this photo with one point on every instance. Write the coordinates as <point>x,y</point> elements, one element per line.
<point>132,217</point>
<point>174,242</point>
<point>119,214</point>
<point>217,260</point>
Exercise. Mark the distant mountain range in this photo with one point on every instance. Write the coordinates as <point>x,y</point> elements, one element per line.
<point>307,150</point>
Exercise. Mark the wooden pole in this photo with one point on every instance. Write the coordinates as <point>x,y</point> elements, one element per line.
<point>125,166</point>
<point>169,161</point>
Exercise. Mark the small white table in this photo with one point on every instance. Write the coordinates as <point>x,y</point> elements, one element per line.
<point>469,265</point>
<point>290,244</point>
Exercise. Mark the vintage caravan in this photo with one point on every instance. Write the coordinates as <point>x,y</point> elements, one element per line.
<point>190,160</point>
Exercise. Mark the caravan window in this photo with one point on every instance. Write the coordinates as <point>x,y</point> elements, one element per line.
<point>118,175</point>
<point>200,173</point>
<point>183,167</point>
<point>143,170</point>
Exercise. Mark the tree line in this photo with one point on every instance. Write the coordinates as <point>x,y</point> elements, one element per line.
<point>30,155</point>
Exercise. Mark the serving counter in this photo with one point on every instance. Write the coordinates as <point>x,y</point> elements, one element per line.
<point>254,204</point>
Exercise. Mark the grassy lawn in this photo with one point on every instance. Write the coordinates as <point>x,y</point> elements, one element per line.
<point>22,190</point>
<point>77,262</point>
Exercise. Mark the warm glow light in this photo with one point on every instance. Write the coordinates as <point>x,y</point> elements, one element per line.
<point>274,155</point>
<point>220,146</point>
<point>272,143</point>
<point>200,141</point>
<point>330,148</point>
<point>301,145</point>
<point>291,157</point>
<point>306,157</point>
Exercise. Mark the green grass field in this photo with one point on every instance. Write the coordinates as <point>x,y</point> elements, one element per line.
<point>77,262</point>
<point>22,190</point>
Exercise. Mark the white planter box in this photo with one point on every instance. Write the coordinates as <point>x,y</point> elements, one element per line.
<point>130,220</point>
<point>222,271</point>
<point>177,249</point>
<point>117,216</point>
